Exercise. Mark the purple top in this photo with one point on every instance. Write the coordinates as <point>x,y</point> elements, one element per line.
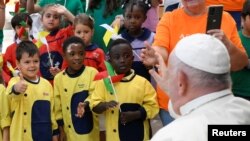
<point>152,19</point>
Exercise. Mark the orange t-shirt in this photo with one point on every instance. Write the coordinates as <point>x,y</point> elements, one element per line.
<point>229,5</point>
<point>177,24</point>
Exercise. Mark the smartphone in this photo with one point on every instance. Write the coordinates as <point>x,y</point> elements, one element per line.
<point>214,17</point>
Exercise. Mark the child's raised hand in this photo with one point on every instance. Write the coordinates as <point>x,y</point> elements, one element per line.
<point>80,109</point>
<point>119,21</point>
<point>21,86</point>
<point>60,9</point>
<point>126,117</point>
<point>54,70</point>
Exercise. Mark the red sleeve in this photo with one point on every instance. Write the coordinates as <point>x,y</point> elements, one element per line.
<point>9,56</point>
<point>64,33</point>
<point>101,59</point>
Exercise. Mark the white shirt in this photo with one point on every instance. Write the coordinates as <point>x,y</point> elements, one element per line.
<point>215,108</point>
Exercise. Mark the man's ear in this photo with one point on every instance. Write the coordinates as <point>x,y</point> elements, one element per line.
<point>182,83</point>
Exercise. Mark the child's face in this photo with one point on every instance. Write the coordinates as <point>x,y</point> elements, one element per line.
<point>246,24</point>
<point>74,56</point>
<point>134,19</point>
<point>121,58</point>
<point>50,19</point>
<point>84,32</point>
<point>23,37</point>
<point>29,66</point>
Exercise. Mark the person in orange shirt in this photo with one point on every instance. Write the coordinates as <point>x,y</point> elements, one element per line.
<point>185,21</point>
<point>233,7</point>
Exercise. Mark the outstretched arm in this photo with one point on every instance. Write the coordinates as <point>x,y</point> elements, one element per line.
<point>160,76</point>
<point>103,106</point>
<point>149,57</point>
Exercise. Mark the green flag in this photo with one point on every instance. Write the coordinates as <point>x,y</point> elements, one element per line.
<point>109,68</point>
<point>107,81</point>
<point>108,85</point>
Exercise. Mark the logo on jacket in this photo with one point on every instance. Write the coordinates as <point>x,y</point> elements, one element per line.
<point>45,94</point>
<point>81,85</point>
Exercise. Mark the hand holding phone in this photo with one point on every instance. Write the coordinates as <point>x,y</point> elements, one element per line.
<point>214,17</point>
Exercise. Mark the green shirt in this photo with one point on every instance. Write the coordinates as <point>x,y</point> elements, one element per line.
<point>241,79</point>
<point>97,14</point>
<point>83,5</point>
<point>74,6</point>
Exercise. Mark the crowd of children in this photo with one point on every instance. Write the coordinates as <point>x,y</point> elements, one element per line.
<point>51,89</point>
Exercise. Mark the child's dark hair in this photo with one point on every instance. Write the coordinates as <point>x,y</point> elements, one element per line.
<point>72,40</point>
<point>246,9</point>
<point>19,17</point>
<point>143,4</point>
<point>84,19</point>
<point>26,47</point>
<point>117,42</point>
<point>110,6</point>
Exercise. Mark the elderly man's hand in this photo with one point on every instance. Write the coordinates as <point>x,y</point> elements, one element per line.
<point>160,76</point>
<point>148,55</point>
